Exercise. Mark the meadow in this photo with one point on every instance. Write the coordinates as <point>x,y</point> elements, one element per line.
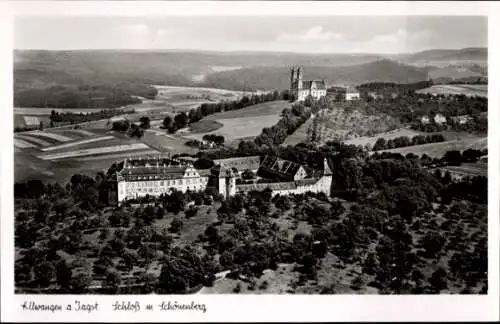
<point>480,90</point>
<point>437,150</point>
<point>238,124</point>
<point>370,140</point>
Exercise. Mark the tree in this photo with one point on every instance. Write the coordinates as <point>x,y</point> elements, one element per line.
<point>453,157</point>
<point>167,122</point>
<point>181,120</point>
<point>45,272</point>
<point>176,225</point>
<point>191,211</point>
<point>63,274</point>
<point>380,144</point>
<point>104,233</point>
<point>80,281</point>
<point>438,280</point>
<point>212,234</point>
<point>371,264</point>
<point>145,122</point>
<point>113,279</point>
<point>248,175</point>
<point>203,163</point>
<point>219,140</point>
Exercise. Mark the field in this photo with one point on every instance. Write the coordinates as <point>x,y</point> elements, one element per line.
<point>186,98</point>
<point>437,150</point>
<point>238,124</point>
<point>300,134</point>
<point>57,153</point>
<point>466,89</point>
<point>370,140</point>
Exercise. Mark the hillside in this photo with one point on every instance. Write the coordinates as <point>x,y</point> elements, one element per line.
<point>233,70</point>
<point>278,77</point>
<point>464,54</point>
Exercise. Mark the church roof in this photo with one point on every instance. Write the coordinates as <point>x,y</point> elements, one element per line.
<point>320,84</point>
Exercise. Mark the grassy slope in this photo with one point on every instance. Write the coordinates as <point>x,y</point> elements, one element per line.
<point>467,89</point>
<point>439,149</point>
<point>242,123</point>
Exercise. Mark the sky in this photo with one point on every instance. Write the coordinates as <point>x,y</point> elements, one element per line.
<point>333,34</point>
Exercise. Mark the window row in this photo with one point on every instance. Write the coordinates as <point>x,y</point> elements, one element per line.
<point>176,182</point>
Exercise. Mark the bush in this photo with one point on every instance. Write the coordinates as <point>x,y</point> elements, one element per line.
<point>176,225</point>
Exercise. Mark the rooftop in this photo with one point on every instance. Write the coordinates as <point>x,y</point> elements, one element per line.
<point>240,163</point>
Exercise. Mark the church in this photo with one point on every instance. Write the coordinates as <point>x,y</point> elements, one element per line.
<point>302,89</point>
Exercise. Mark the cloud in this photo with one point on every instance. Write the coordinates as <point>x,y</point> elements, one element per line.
<point>137,29</point>
<point>163,32</point>
<point>399,41</point>
<point>312,34</point>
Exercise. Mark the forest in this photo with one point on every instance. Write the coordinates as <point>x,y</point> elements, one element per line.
<point>406,230</point>
<point>95,95</point>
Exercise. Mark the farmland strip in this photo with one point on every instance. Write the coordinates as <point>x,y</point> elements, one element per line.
<point>99,150</point>
<point>22,144</point>
<point>32,139</point>
<point>53,136</point>
<point>118,156</point>
<point>89,140</point>
<point>31,120</point>
<point>83,132</point>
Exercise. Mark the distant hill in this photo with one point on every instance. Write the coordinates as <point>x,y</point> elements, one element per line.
<point>234,70</point>
<point>473,54</point>
<point>278,77</point>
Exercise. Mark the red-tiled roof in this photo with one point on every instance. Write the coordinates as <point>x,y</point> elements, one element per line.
<point>240,163</point>
<point>263,186</point>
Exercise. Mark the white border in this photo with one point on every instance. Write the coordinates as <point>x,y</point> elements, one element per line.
<point>255,308</point>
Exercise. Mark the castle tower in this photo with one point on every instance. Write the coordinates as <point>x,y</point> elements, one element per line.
<point>299,78</point>
<point>326,168</point>
<point>326,179</point>
<point>227,182</point>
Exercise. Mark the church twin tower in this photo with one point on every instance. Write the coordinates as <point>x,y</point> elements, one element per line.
<point>302,89</point>
<point>296,78</point>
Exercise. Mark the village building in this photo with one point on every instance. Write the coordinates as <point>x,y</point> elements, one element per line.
<point>439,119</point>
<point>351,94</point>
<point>302,89</point>
<point>425,120</point>
<point>462,119</point>
<point>155,176</point>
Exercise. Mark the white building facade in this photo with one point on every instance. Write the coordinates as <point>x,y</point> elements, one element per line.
<point>302,89</point>
<point>156,176</point>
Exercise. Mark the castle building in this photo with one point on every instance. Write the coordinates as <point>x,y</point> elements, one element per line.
<point>302,89</point>
<point>351,94</point>
<point>156,176</point>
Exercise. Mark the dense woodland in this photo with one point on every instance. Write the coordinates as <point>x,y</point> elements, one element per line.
<point>103,95</point>
<point>406,229</point>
